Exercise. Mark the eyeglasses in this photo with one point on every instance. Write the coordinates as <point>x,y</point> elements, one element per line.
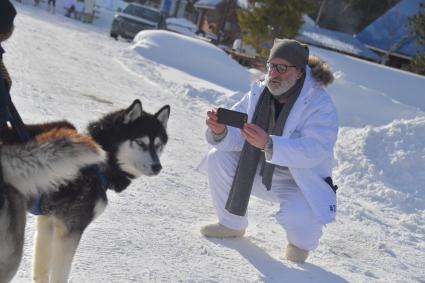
<point>280,68</point>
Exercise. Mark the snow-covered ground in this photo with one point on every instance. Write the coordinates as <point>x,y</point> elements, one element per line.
<point>63,68</point>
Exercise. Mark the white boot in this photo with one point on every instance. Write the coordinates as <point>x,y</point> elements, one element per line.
<point>295,254</point>
<point>218,230</point>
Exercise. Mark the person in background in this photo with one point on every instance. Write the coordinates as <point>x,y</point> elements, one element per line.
<point>284,154</point>
<point>8,112</point>
<point>79,9</point>
<point>51,6</point>
<point>89,11</point>
<point>69,6</point>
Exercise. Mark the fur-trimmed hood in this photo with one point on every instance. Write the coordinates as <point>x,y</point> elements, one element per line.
<point>320,70</point>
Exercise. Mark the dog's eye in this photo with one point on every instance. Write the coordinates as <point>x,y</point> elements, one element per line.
<point>143,145</point>
<point>159,146</point>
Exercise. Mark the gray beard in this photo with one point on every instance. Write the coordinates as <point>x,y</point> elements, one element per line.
<point>284,86</point>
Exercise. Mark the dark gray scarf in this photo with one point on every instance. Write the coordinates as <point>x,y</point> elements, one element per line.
<point>237,202</point>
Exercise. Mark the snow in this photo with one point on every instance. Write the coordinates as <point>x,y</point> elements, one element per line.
<point>214,64</point>
<point>65,69</point>
<point>182,30</point>
<point>207,4</point>
<point>371,94</point>
<point>312,34</point>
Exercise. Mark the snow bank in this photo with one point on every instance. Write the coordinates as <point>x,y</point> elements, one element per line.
<point>404,87</point>
<point>361,105</point>
<point>193,56</point>
<point>385,164</point>
<point>371,94</point>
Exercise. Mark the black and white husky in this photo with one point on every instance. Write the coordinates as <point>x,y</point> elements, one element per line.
<point>39,166</point>
<point>133,141</point>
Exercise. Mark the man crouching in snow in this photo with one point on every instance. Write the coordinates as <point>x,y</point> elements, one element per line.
<point>284,154</point>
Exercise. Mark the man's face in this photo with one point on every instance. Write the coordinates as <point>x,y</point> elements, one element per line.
<point>280,82</point>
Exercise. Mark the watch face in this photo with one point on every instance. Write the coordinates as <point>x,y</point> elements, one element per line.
<point>269,143</point>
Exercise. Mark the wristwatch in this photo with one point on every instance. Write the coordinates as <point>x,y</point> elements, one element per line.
<point>268,147</point>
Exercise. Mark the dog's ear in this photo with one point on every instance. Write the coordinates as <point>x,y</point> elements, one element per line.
<point>163,114</point>
<point>133,112</point>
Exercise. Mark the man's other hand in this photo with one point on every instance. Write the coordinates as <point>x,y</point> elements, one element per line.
<point>255,135</point>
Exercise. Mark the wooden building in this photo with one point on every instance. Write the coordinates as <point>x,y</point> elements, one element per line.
<point>217,19</point>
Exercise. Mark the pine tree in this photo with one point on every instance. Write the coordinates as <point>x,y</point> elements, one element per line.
<point>417,24</point>
<point>263,20</point>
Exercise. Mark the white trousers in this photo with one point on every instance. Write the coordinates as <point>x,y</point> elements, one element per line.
<point>302,227</point>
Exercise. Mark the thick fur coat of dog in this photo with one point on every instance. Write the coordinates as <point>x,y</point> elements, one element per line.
<point>38,166</point>
<point>133,141</point>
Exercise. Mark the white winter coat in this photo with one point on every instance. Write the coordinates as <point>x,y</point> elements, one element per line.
<point>306,146</point>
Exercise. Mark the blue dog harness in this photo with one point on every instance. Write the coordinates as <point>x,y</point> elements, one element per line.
<point>36,206</point>
<point>103,178</point>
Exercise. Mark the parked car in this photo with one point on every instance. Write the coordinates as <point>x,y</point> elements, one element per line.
<point>181,25</point>
<point>134,18</point>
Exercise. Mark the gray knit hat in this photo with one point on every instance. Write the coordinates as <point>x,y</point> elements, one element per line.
<point>290,50</point>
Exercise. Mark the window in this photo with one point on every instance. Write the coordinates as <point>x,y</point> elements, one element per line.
<point>142,12</point>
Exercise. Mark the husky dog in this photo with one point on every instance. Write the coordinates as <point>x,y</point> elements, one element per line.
<point>38,166</point>
<point>133,141</point>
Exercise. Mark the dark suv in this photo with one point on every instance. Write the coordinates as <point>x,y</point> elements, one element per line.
<point>134,18</point>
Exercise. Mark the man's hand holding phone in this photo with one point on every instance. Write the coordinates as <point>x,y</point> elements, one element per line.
<point>217,119</point>
<point>212,123</point>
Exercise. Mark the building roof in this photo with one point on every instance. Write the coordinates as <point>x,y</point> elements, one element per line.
<point>208,4</point>
<point>312,34</point>
<point>393,28</point>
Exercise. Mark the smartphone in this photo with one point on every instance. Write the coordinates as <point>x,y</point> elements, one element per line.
<point>231,118</point>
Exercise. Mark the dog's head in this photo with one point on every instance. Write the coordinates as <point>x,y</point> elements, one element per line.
<point>146,134</point>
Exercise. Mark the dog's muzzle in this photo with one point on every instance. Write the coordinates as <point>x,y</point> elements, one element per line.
<point>156,168</point>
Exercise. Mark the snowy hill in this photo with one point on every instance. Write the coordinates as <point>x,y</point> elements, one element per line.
<point>150,233</point>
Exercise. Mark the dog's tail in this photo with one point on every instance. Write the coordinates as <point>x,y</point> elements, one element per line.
<point>48,161</point>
